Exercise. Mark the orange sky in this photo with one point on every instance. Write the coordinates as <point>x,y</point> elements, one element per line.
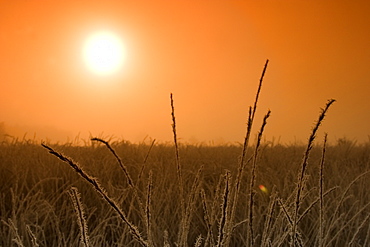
<point>209,54</point>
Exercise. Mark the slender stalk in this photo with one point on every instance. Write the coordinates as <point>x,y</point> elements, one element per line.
<point>212,213</point>
<point>207,217</point>
<point>80,212</point>
<point>222,230</point>
<point>14,230</point>
<point>285,211</point>
<point>242,161</point>
<point>253,179</point>
<point>177,156</point>
<point>32,236</point>
<point>123,167</point>
<point>147,208</point>
<point>314,203</point>
<point>145,159</point>
<point>190,205</point>
<point>268,221</point>
<point>321,186</point>
<point>358,213</point>
<point>129,179</point>
<point>259,89</point>
<point>166,242</point>
<point>114,205</point>
<point>335,215</point>
<point>364,221</point>
<point>302,172</point>
<point>179,169</point>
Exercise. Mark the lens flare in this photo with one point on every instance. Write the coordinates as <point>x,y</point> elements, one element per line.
<point>263,188</point>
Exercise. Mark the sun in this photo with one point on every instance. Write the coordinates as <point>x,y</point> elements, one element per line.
<point>103,53</point>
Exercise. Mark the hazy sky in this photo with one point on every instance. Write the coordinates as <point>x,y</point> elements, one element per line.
<point>209,54</point>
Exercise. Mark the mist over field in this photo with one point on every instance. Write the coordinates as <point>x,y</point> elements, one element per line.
<point>108,192</point>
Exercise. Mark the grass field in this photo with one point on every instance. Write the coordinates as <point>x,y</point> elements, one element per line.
<point>37,210</point>
<point>115,193</point>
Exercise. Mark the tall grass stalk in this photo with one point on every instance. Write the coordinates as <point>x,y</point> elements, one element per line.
<point>267,225</point>
<point>129,179</point>
<point>80,213</point>
<point>147,208</point>
<point>242,161</point>
<point>301,174</point>
<point>285,211</point>
<point>166,242</point>
<point>210,214</point>
<point>145,160</point>
<point>366,242</point>
<point>179,172</point>
<point>253,179</point>
<point>32,236</point>
<point>177,155</point>
<point>222,228</point>
<point>189,209</point>
<point>17,239</point>
<point>321,187</point>
<point>317,200</point>
<point>119,160</point>
<point>94,182</point>
<point>207,218</point>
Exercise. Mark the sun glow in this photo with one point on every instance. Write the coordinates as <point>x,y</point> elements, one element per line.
<point>104,53</point>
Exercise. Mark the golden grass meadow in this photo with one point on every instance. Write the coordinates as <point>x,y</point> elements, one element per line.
<point>115,193</point>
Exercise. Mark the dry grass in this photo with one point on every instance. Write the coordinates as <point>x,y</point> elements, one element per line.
<point>35,188</point>
<point>301,175</point>
<point>210,198</point>
<point>80,212</point>
<point>96,185</point>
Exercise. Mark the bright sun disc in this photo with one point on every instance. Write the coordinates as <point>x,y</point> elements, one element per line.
<point>103,53</point>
